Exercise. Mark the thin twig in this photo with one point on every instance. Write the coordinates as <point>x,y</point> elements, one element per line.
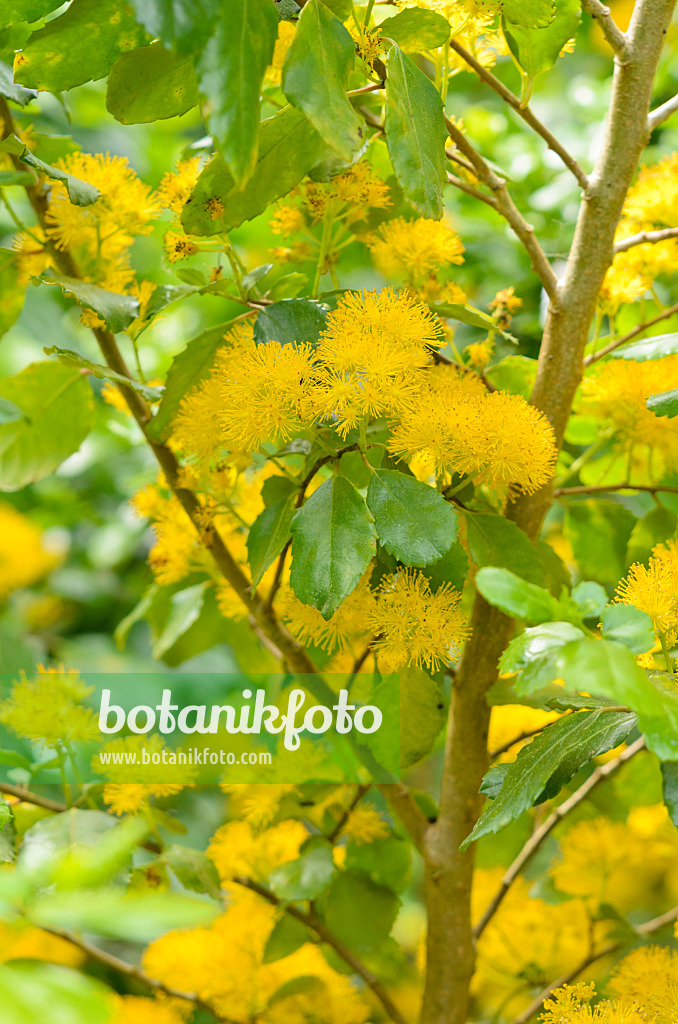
<point>313,922</point>
<point>525,112</point>
<point>561,492</point>
<point>609,27</point>
<point>346,813</point>
<point>28,797</point>
<point>408,811</point>
<point>541,834</point>
<point>645,237</point>
<point>664,315</point>
<point>663,113</point>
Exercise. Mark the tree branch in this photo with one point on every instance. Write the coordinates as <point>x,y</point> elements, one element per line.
<point>600,13</point>
<point>645,237</point>
<point>470,190</point>
<point>664,315</point>
<point>663,113</point>
<point>561,492</point>
<point>28,797</point>
<point>543,832</point>
<point>312,921</point>
<point>528,116</point>
<point>408,812</point>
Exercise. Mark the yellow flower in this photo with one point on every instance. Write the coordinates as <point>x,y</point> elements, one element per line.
<point>287,220</point>
<point>364,824</point>
<point>479,353</point>
<point>143,1010</point>
<point>415,248</point>
<point>123,792</point>
<point>654,589</point>
<point>415,625</point>
<point>286,30</point>
<point>32,257</point>
<point>344,631</point>
<point>47,707</point>
<point>23,557</point>
<point>24,942</point>
<point>175,187</point>
<point>257,803</point>
<point>648,977</point>
<point>179,246</point>
<point>237,849</point>
<point>654,196</point>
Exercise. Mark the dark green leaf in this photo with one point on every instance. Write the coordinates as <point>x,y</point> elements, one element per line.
<point>150,84</point>
<point>315,77</point>
<point>80,192</point>
<point>416,29</point>
<point>537,49</point>
<point>629,626</point>
<point>287,937</point>
<point>68,358</point>
<point>494,540</point>
<point>413,520</point>
<point>117,311</point>
<point>275,489</point>
<point>268,535</point>
<point>11,291</point>
<point>230,71</point>
<point>290,320</point>
<point>333,541</point>
<point>87,40</point>
<point>650,348</point>
<point>303,985</point>
<point>599,532</point>
<point>415,134</point>
<point>288,147</point>
<point>183,24</point>
<point>670,787</point>
<point>58,413</point>
<point>664,404</point>
<point>516,597</point>
<point>388,862</point>
<point>358,912</point>
<point>15,93</point>
<point>535,642</point>
<point>306,877</point>
<point>560,751</point>
<point>452,568</point>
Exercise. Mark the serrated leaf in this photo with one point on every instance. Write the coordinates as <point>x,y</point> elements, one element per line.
<point>80,193</point>
<point>413,520</point>
<point>650,348</point>
<point>560,750</point>
<point>268,535</point>
<point>516,597</point>
<point>535,642</point>
<point>88,38</point>
<point>290,320</point>
<point>230,71</point>
<point>315,77</point>
<point>415,134</point>
<point>333,541</point>
<point>289,146</point>
<point>150,83</point>
<point>629,626</point>
<point>664,404</point>
<point>306,877</point>
<point>58,412</point>
<point>68,358</point>
<point>416,29</point>
<point>537,49</point>
<point>117,311</point>
<point>496,541</point>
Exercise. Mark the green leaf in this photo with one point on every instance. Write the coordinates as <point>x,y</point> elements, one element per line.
<point>117,311</point>
<point>590,599</point>
<point>16,93</point>
<point>276,488</point>
<point>516,597</point>
<point>182,24</point>
<point>414,714</point>
<point>664,404</point>
<point>333,541</point>
<point>58,413</point>
<point>452,568</point>
<point>465,314</point>
<point>31,990</point>
<point>26,10</point>
<point>494,540</point>
<point>548,763</point>
<point>287,937</point>
<point>650,348</point>
<point>413,520</point>
<point>80,192</point>
<point>670,788</point>
<point>535,642</point>
<point>150,83</point>
<point>68,358</point>
<point>515,374</point>
<point>340,8</point>
<point>45,843</point>
<point>654,528</point>
<point>358,912</point>
<point>194,869</point>
<point>306,877</point>
<point>11,291</point>
<point>188,368</point>
<point>537,49</point>
<point>529,13</point>
<point>79,46</point>
<point>230,71</point>
<point>268,535</point>
<point>186,606</point>
<point>315,77</point>
<point>22,178</point>
<point>415,134</point>
<point>599,532</point>
<point>416,29</point>
<point>388,862</point>
<point>629,626</point>
<point>290,320</point>
<point>289,146</point>
<point>303,985</point>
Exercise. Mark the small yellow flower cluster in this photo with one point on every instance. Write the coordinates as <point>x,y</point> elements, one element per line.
<point>23,557</point>
<point>173,192</point>
<point>347,629</point>
<point>654,589</point>
<point>123,793</point>
<point>145,1010</point>
<point>616,392</point>
<point>237,849</point>
<point>415,249</point>
<point>286,30</point>
<point>48,708</point>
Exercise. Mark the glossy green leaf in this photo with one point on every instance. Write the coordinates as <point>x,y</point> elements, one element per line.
<point>535,642</point>
<point>80,193</point>
<point>290,320</point>
<point>670,788</point>
<point>58,413</point>
<point>537,49</point>
<point>230,71</point>
<point>358,912</point>
<point>464,313</point>
<point>452,568</point>
<point>664,404</point>
<point>416,29</point>
<point>388,862</point>
<point>8,88</point>
<point>68,358</point>
<point>340,8</point>
<point>188,368</point>
<point>183,24</point>
<point>516,597</point>
<point>590,599</point>
<point>629,626</point>
<point>650,348</point>
<point>529,13</point>
<point>11,291</point>
<point>333,541</point>
<point>494,540</point>
<point>268,535</point>
<point>306,877</point>
<point>415,134</point>
<point>288,147</point>
<point>117,311</point>
<point>88,38</point>
<point>413,520</point>
<point>315,77</point>
<point>548,763</point>
<point>150,83</point>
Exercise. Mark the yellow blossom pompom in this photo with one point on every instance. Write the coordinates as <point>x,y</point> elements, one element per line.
<point>654,589</point>
<point>654,196</point>
<point>144,1010</point>
<point>176,186</point>
<point>23,556</point>
<point>288,219</point>
<point>343,631</point>
<point>415,625</point>
<point>237,849</point>
<point>415,248</point>
<point>179,246</point>
<point>648,978</point>
<point>364,824</point>
<point>47,707</point>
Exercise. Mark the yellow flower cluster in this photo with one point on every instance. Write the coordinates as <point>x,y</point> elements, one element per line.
<point>237,849</point>
<point>144,1010</point>
<point>123,793</point>
<point>347,629</point>
<point>48,708</point>
<point>172,194</point>
<point>616,391</point>
<point>20,941</point>
<point>23,557</point>
<point>654,589</point>
<point>414,249</point>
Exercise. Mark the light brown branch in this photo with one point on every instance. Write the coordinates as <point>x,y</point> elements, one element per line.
<point>645,237</point>
<point>563,492</point>
<point>618,342</point>
<point>609,27</point>
<point>28,797</point>
<point>470,190</point>
<point>528,116</point>
<point>408,812</point>
<point>663,113</point>
<point>543,832</point>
